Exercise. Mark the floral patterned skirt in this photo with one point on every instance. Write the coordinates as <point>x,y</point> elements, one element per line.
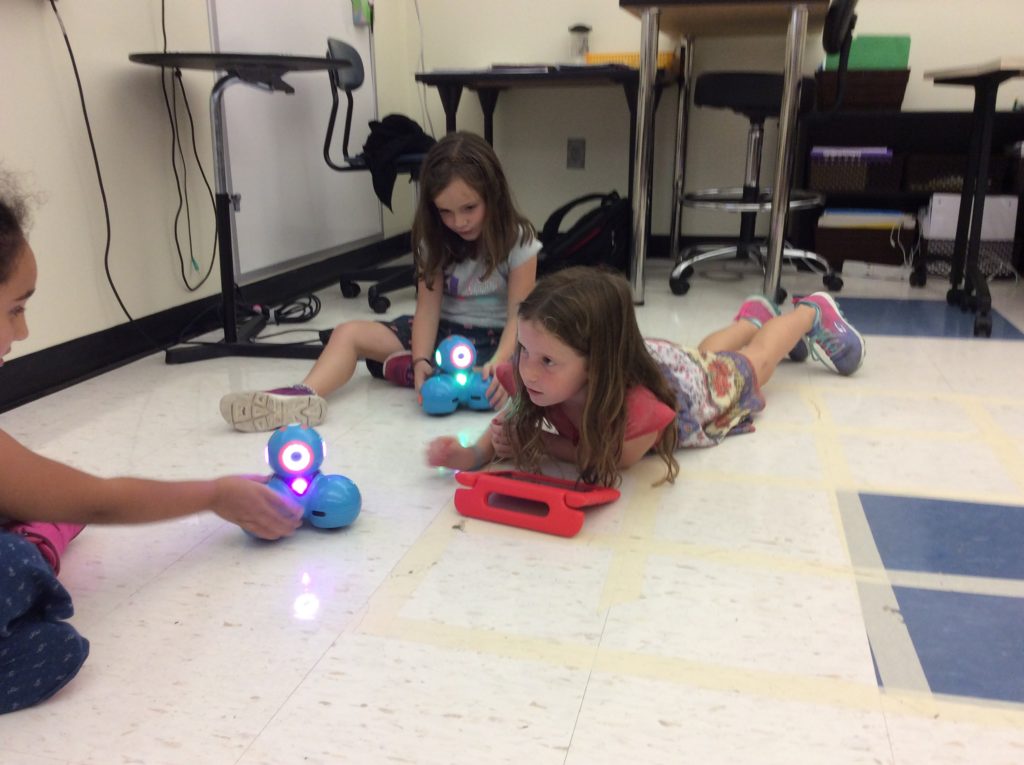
<point>717,393</point>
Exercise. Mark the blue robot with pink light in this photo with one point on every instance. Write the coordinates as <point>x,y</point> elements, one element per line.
<point>295,454</point>
<point>454,384</point>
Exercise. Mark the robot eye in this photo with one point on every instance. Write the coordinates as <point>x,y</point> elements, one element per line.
<point>462,356</point>
<point>296,456</point>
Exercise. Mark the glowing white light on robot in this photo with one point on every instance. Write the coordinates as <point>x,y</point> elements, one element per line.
<point>461,378</point>
<point>296,456</point>
<point>299,485</point>
<point>462,356</point>
<point>305,579</point>
<point>437,357</point>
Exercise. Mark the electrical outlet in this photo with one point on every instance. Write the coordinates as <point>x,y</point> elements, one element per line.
<point>576,153</point>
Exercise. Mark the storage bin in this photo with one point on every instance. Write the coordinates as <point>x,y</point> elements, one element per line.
<point>847,173</point>
<point>867,245</point>
<point>938,229</point>
<point>866,90</point>
<point>994,257</point>
<point>945,172</point>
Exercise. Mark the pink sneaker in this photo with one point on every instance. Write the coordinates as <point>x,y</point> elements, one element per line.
<point>833,340</point>
<point>51,538</point>
<point>264,410</point>
<point>398,369</point>
<point>757,309</point>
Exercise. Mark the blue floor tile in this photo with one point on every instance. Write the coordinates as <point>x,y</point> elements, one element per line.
<point>939,536</point>
<point>918,318</point>
<point>968,645</point>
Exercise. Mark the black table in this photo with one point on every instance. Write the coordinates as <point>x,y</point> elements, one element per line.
<point>985,79</point>
<point>265,71</point>
<point>488,84</point>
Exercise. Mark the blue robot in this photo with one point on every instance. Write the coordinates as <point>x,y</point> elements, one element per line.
<point>455,383</point>
<point>295,454</point>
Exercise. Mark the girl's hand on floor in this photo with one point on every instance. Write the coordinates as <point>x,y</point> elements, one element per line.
<point>249,503</point>
<point>446,451</point>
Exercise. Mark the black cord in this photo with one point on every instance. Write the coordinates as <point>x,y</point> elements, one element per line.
<point>99,177</point>
<point>298,311</point>
<point>181,181</point>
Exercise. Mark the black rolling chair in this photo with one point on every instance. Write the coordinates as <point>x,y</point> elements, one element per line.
<point>398,161</point>
<point>758,96</point>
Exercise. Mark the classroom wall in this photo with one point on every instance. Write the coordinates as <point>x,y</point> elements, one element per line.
<point>532,126</point>
<point>42,136</point>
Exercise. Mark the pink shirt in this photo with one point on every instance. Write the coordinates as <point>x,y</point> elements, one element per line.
<point>645,412</point>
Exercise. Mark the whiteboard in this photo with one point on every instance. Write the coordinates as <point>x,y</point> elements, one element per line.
<point>294,209</point>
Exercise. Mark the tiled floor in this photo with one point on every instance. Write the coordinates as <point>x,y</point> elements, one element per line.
<point>843,586</point>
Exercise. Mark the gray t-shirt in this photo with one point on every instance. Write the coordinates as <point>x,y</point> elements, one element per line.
<point>470,300</point>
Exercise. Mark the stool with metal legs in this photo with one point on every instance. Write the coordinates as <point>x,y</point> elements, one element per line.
<point>757,96</point>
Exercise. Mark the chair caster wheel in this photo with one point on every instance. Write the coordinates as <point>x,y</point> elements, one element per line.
<point>379,304</point>
<point>349,289</point>
<point>833,282</point>
<point>679,286</point>
<point>918,278</point>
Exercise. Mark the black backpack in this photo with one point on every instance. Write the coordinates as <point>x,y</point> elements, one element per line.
<point>601,236</point>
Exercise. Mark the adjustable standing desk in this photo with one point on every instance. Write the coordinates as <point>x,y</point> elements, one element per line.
<point>985,79</point>
<point>264,71</point>
<point>701,18</point>
<point>488,84</point>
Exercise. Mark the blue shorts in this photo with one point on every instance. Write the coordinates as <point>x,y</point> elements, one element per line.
<point>485,339</point>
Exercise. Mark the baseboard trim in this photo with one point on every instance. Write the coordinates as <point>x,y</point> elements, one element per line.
<point>49,370</point>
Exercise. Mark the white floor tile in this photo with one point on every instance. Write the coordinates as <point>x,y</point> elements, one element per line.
<point>716,620</point>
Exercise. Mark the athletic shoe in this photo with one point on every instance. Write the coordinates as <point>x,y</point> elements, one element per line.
<point>263,410</point>
<point>398,369</point>
<point>833,340</point>
<point>758,309</point>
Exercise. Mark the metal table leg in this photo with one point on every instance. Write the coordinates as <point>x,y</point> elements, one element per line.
<point>642,155</point>
<point>795,39</point>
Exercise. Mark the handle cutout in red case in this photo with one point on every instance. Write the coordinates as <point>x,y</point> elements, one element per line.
<point>529,501</point>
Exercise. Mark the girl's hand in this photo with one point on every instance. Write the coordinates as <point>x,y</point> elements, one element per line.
<point>446,451</point>
<point>421,370</point>
<point>247,502</point>
<point>500,438</point>
<point>497,396</point>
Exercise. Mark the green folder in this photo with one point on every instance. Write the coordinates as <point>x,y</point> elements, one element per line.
<point>875,52</point>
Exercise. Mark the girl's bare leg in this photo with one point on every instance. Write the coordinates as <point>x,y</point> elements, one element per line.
<point>350,342</point>
<point>772,342</point>
<point>730,338</point>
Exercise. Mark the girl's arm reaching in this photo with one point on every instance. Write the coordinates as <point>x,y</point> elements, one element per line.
<point>35,488</point>
<point>446,451</point>
<point>520,283</point>
<point>424,328</point>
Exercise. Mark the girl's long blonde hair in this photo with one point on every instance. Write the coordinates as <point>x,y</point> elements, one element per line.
<point>591,310</point>
<point>435,247</point>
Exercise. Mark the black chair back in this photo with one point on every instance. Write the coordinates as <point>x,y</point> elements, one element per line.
<point>345,79</point>
<point>837,38</point>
